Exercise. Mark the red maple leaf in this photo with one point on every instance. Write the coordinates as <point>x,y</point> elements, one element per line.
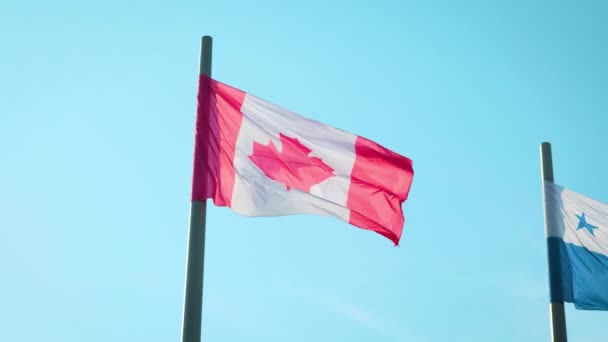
<point>292,166</point>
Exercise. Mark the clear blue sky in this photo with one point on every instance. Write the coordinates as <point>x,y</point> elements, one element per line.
<point>97,104</point>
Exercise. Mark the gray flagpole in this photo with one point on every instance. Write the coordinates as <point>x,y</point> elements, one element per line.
<point>193,298</point>
<point>556,306</point>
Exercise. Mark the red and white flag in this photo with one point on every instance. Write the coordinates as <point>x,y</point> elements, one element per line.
<point>263,160</point>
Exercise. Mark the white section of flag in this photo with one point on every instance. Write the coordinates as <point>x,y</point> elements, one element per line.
<point>255,194</point>
<point>563,206</point>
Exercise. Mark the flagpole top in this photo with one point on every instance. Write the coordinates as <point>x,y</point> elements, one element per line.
<point>206,51</point>
<point>546,161</point>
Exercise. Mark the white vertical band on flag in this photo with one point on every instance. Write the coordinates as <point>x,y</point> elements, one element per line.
<point>255,194</point>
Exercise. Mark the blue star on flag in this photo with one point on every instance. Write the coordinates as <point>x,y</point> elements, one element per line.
<point>582,223</point>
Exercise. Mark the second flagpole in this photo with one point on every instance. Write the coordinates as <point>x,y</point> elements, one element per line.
<point>557,314</point>
<point>193,298</point>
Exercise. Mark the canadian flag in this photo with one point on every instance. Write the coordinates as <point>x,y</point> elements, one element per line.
<point>263,160</point>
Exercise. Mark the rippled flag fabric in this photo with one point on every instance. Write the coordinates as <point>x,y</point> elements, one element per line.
<point>260,159</point>
<point>578,227</point>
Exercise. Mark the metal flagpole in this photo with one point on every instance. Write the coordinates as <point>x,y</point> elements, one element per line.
<point>193,299</point>
<point>556,306</point>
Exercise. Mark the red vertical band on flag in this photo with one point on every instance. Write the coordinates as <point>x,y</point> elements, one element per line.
<point>218,121</point>
<point>380,183</point>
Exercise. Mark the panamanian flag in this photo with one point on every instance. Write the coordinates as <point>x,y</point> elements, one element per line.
<point>578,227</point>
